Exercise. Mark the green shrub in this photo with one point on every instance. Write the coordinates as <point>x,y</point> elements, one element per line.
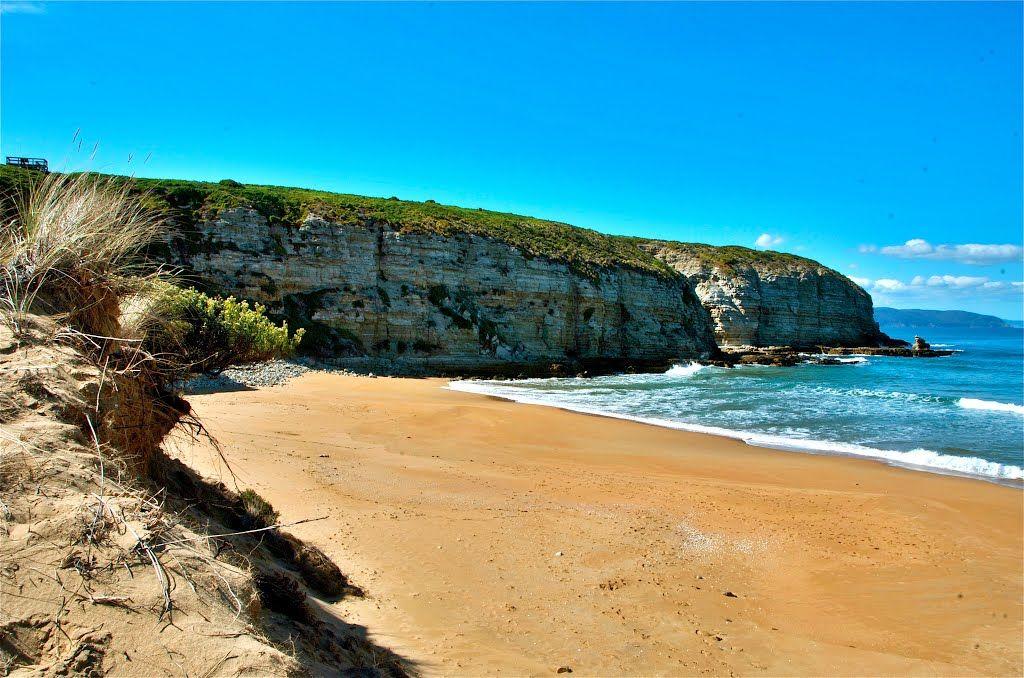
<point>258,509</point>
<point>210,334</point>
<point>437,294</point>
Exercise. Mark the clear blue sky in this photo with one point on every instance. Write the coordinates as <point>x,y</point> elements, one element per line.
<point>828,130</point>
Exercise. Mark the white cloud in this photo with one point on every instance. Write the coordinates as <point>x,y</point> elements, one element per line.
<point>957,282</point>
<point>863,282</point>
<point>888,285</point>
<point>940,285</point>
<point>21,7</point>
<point>769,240</point>
<point>969,253</point>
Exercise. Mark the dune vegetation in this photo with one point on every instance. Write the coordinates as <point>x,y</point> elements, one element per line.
<point>134,563</point>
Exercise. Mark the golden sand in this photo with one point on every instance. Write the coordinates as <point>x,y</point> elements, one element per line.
<point>498,538</point>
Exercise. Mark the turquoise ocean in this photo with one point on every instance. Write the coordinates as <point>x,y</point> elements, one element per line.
<point>962,414</point>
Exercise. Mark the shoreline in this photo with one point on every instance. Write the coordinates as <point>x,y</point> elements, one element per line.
<point>496,538</point>
<point>784,445</point>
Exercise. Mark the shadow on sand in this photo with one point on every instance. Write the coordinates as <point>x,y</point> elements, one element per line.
<point>295,581</point>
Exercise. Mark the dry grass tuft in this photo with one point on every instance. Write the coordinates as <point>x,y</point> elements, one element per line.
<point>280,593</point>
<point>74,249</point>
<point>90,536</point>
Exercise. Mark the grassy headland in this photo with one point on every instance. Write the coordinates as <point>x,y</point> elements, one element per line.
<point>188,201</point>
<point>585,250</point>
<point>728,258</point>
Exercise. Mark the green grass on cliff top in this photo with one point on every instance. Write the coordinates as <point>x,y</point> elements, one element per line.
<point>582,249</point>
<point>731,257</point>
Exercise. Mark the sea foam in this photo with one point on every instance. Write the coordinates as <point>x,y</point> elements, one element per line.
<point>684,370</point>
<point>922,459</point>
<point>991,405</point>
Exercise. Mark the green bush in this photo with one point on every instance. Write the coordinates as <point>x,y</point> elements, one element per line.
<point>210,334</point>
<point>259,510</point>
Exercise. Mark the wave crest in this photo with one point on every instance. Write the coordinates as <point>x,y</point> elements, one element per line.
<point>990,405</point>
<point>684,370</point>
<point>927,460</point>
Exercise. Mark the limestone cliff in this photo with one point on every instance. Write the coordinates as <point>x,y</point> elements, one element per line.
<point>423,286</point>
<point>772,299</point>
<point>457,302</point>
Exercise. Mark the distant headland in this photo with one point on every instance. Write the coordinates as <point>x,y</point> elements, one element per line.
<point>917,317</point>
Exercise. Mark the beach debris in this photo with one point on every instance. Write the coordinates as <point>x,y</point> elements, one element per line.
<point>613,584</point>
<point>730,594</point>
<point>564,669</point>
<point>558,554</point>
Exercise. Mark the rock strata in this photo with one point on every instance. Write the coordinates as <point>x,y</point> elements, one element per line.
<point>371,294</point>
<point>400,286</point>
<point>773,299</point>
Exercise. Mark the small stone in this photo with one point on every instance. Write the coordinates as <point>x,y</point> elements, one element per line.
<point>564,669</point>
<point>558,554</point>
<point>730,594</point>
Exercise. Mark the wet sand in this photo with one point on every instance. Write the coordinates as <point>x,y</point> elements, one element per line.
<point>498,538</point>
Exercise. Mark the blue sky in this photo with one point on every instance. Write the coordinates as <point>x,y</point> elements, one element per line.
<point>841,132</point>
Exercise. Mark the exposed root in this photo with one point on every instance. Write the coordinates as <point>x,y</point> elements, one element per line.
<point>114,558</point>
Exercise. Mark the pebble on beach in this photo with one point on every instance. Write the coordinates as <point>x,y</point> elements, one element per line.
<point>256,375</point>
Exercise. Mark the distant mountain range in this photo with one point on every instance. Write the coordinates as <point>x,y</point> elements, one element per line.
<point>916,317</point>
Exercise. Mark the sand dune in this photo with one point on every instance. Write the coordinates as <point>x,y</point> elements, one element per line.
<point>498,538</point>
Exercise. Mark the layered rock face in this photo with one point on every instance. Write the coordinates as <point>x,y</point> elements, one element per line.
<point>463,303</point>
<point>773,299</point>
<point>423,285</point>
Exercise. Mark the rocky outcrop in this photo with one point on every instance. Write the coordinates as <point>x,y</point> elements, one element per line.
<point>915,351</point>
<point>773,299</point>
<point>459,302</point>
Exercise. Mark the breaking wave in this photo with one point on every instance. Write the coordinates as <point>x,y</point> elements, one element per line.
<point>991,405</point>
<point>684,370</point>
<point>922,459</point>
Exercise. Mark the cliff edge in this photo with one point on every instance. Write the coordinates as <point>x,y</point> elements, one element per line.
<point>421,287</point>
<point>763,298</point>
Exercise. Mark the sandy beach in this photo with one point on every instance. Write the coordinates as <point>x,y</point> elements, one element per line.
<point>498,538</point>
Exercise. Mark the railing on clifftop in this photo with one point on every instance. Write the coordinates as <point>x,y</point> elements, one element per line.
<point>29,163</point>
